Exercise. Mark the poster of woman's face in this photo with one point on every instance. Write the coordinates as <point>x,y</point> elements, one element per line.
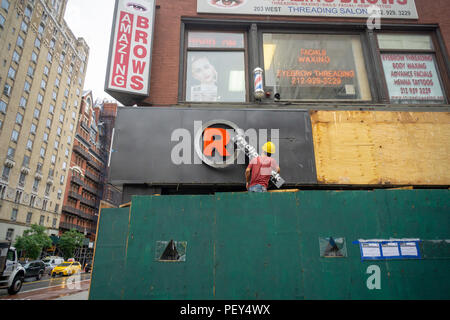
<point>215,76</point>
<point>226,3</point>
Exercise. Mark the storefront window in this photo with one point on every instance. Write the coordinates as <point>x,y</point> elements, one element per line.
<point>215,68</point>
<point>410,69</point>
<point>315,67</point>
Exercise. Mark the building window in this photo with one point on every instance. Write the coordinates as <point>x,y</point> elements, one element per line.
<point>26,161</point>
<point>66,93</point>
<point>40,99</point>
<point>37,112</point>
<point>5,173</point>
<point>53,160</point>
<point>24,26</point>
<point>49,57</point>
<point>34,57</point>
<point>42,152</point>
<point>11,153</point>
<point>32,200</point>
<point>57,82</point>
<point>37,43</point>
<point>54,95</point>
<point>14,214</point>
<point>5,4</point>
<point>9,234</point>
<point>59,70</point>
<point>19,41</point>
<point>43,84</point>
<point>33,128</point>
<point>30,145</point>
<point>56,145</point>
<point>22,179</point>
<point>48,125</point>
<point>62,179</point>
<point>44,205</point>
<point>61,118</point>
<point>19,118</point>
<point>410,68</point>
<point>46,70</point>
<point>41,220</point>
<point>2,21</point>
<point>30,71</point>
<point>3,106</point>
<point>51,109</point>
<point>7,90</point>
<point>315,67</point>
<point>41,28</point>
<point>23,102</point>
<point>27,86</point>
<point>208,78</point>
<point>58,131</point>
<point>11,73</point>
<point>16,57</point>
<point>36,185</point>
<point>54,219</point>
<point>59,194</point>
<point>46,135</point>
<point>28,11</point>
<point>14,136</point>
<point>18,196</point>
<point>52,43</point>
<point>29,216</point>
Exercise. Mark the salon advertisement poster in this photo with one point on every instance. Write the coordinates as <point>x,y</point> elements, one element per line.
<point>392,9</point>
<point>131,47</point>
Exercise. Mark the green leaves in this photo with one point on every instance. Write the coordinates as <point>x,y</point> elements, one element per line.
<point>33,241</point>
<point>69,241</point>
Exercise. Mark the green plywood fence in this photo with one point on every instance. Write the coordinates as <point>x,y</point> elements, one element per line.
<point>266,246</point>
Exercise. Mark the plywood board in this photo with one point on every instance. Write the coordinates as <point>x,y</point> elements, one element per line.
<point>382,148</point>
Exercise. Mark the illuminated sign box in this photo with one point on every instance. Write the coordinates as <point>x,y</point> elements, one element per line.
<point>129,62</point>
<point>392,9</point>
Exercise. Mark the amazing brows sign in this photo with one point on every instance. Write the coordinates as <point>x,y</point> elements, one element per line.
<point>397,9</point>
<point>131,47</point>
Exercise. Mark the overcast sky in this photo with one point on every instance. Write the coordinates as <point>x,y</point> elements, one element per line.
<point>92,20</point>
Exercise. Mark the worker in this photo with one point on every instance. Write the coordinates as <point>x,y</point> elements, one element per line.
<point>260,168</point>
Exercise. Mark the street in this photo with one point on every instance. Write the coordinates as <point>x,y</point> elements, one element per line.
<point>49,288</point>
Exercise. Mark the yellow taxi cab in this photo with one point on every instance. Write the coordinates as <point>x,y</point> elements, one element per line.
<point>67,268</point>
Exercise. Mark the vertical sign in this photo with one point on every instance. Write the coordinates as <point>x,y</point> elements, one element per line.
<point>131,47</point>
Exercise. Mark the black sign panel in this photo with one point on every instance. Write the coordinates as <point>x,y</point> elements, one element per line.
<point>167,145</point>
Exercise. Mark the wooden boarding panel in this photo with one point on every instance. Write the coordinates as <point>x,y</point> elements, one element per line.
<point>382,148</point>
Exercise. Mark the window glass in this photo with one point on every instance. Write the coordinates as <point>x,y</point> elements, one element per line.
<point>412,78</point>
<point>315,66</point>
<point>411,73</point>
<point>215,76</point>
<point>405,41</point>
<point>215,40</point>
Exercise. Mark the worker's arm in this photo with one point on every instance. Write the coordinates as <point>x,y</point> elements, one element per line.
<point>247,176</point>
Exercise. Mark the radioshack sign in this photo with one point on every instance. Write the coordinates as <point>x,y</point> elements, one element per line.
<point>131,48</point>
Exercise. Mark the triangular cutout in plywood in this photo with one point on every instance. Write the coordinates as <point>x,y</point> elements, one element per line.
<point>171,252</point>
<point>332,249</point>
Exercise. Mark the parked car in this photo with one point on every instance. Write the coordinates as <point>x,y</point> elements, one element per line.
<point>51,262</point>
<point>88,267</point>
<point>66,268</point>
<point>34,269</point>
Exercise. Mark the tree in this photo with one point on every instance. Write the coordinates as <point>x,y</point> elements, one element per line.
<point>33,241</point>
<point>69,241</point>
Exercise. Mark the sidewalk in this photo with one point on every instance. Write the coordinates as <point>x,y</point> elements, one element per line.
<point>83,295</point>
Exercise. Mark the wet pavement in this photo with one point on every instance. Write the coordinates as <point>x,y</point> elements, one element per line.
<point>51,288</point>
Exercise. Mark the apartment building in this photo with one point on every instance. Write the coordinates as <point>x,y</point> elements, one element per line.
<point>85,178</point>
<point>42,72</point>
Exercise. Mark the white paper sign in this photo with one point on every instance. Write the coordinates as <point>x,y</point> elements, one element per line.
<point>390,249</point>
<point>408,249</point>
<point>397,9</point>
<point>370,250</point>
